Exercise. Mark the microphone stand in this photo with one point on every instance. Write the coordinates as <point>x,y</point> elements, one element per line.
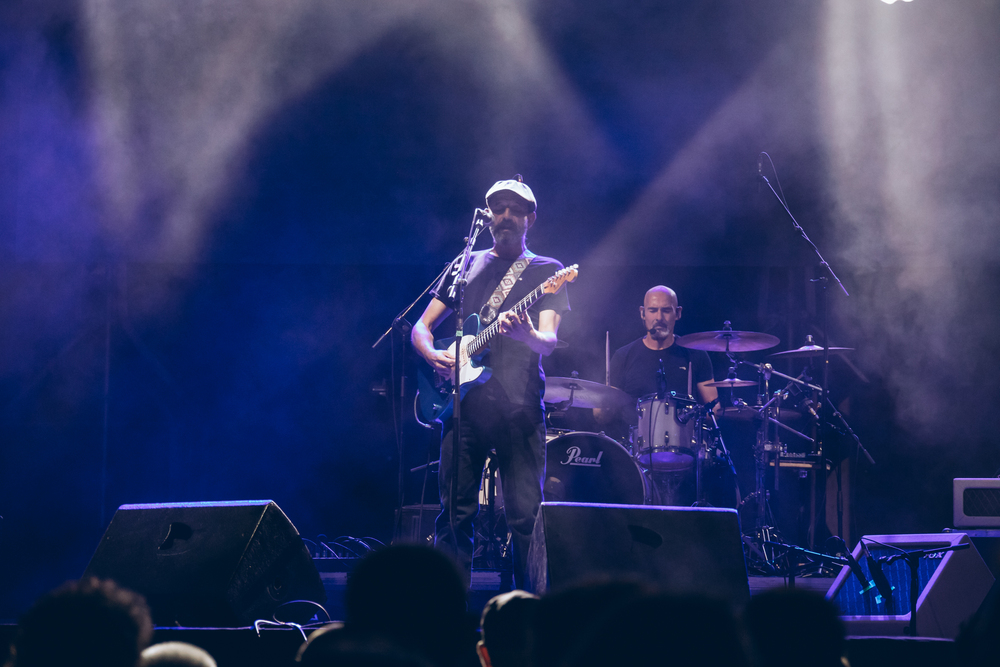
<point>824,558</point>
<point>457,293</point>
<point>913,561</point>
<point>400,324</point>
<point>822,280</point>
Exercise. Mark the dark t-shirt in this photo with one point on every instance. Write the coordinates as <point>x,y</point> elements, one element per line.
<point>517,370</point>
<point>634,369</point>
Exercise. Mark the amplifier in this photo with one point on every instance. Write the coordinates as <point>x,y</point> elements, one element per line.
<point>976,502</point>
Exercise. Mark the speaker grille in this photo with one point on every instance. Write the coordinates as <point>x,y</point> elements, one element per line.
<point>981,502</point>
<point>852,602</point>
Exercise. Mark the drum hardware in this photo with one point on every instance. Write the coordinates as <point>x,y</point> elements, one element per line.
<point>719,443</point>
<point>750,414</point>
<point>769,451</point>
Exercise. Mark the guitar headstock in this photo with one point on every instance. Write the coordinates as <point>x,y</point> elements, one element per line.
<point>567,275</point>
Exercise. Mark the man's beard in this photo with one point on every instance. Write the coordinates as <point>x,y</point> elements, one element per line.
<point>659,333</point>
<point>506,233</point>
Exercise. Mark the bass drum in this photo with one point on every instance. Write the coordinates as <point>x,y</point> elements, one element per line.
<point>583,467</point>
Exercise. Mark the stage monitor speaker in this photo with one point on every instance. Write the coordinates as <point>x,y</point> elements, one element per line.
<point>976,502</point>
<point>209,564</point>
<point>952,585</point>
<point>680,549</point>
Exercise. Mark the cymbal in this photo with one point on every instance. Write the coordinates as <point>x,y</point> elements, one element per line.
<point>809,351</point>
<point>732,383</point>
<point>585,394</point>
<point>728,340</point>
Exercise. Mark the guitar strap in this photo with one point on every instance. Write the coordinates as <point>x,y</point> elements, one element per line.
<point>491,309</point>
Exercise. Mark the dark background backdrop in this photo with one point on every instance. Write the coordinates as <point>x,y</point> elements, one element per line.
<point>209,212</point>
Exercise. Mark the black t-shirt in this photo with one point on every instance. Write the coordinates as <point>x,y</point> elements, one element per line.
<point>517,370</point>
<point>634,369</point>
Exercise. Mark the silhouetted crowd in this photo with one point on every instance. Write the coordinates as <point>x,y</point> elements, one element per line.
<point>405,606</point>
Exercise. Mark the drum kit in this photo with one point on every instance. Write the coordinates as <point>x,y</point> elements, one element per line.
<point>677,443</point>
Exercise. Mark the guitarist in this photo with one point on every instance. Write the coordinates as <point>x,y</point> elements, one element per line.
<point>505,413</point>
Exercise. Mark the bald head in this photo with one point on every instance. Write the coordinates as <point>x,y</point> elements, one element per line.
<point>659,313</point>
<point>668,294</point>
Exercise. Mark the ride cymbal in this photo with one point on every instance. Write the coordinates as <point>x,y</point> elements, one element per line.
<point>728,340</point>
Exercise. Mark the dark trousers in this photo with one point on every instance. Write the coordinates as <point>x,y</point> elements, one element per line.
<point>517,434</point>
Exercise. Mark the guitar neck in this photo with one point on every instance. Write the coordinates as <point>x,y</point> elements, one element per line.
<point>486,335</point>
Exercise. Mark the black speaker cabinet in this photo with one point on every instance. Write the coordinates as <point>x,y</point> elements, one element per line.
<point>208,564</point>
<point>952,585</point>
<point>680,549</point>
<point>416,525</point>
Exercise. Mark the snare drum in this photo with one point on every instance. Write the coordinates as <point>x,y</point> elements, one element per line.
<point>592,468</point>
<point>665,439</point>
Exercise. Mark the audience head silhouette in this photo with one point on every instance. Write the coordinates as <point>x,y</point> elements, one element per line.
<point>565,617</point>
<point>334,645</point>
<point>505,625</point>
<point>649,629</point>
<point>176,654</point>
<point>413,596</point>
<point>91,621</point>
<point>789,627</point>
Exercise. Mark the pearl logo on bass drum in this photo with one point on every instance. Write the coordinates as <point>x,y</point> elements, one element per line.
<point>573,458</point>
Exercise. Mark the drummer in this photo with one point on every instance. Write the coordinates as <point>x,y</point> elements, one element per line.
<point>635,368</point>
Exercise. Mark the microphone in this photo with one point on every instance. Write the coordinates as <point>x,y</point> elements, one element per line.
<point>661,381</point>
<point>690,413</point>
<point>484,216</point>
<point>880,580</point>
<point>855,568</point>
<point>809,405</point>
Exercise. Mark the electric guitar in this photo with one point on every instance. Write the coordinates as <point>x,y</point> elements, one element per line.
<point>433,402</point>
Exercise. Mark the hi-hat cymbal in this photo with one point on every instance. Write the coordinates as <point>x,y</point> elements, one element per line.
<point>728,340</point>
<point>584,393</point>
<point>734,382</point>
<point>810,349</point>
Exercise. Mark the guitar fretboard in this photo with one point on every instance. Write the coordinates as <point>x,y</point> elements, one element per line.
<point>486,335</point>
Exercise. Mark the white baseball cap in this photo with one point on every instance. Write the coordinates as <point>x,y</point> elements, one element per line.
<point>516,186</point>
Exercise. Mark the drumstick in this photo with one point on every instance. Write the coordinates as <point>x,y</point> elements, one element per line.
<point>607,358</point>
